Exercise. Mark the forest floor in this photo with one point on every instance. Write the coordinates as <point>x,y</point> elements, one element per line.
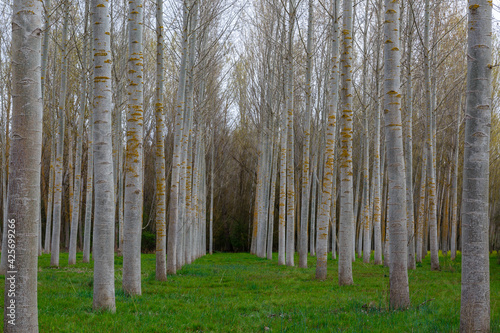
<point>238,292</point>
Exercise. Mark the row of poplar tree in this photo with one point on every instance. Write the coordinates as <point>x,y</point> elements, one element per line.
<point>260,120</point>
<point>378,213</point>
<point>98,80</point>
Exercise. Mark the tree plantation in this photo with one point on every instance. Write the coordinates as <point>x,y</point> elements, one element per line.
<point>247,166</point>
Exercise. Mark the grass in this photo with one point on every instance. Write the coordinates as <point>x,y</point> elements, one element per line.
<point>227,292</point>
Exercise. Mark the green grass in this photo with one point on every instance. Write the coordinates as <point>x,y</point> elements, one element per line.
<point>227,292</point>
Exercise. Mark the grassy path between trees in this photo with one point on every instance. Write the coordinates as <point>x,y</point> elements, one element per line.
<point>228,292</point>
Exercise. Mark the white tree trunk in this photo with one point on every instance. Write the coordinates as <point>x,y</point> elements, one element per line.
<point>454,186</point>
<point>431,160</point>
<point>377,180</point>
<point>346,221</point>
<point>89,193</point>
<point>306,190</point>
<point>475,304</point>
<point>133,211</point>
<point>409,150</point>
<point>161,226</point>
<point>24,179</point>
<point>367,245</point>
<point>328,174</point>
<point>56,231</point>
<point>48,224</point>
<point>396,206</point>
<point>75,219</point>
<point>176,161</point>
<point>290,203</point>
<point>104,216</point>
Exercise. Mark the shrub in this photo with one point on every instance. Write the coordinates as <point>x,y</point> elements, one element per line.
<point>148,242</point>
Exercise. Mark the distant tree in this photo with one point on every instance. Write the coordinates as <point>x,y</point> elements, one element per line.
<point>133,209</point>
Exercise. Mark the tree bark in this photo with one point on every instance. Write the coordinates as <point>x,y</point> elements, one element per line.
<point>104,217</point>
<point>176,161</point>
<point>75,218</point>
<point>475,304</point>
<point>132,227</point>
<point>307,137</point>
<point>25,159</point>
<point>290,203</point>
<point>58,186</point>
<point>346,230</point>
<point>161,226</point>
<point>454,186</point>
<point>328,174</point>
<point>430,147</point>
<point>409,149</point>
<point>89,193</point>
<point>396,207</point>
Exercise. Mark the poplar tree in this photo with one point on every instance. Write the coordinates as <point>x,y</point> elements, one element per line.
<point>56,231</point>
<point>396,205</point>
<point>161,226</point>
<point>104,216</point>
<point>346,220</point>
<point>475,302</point>
<point>307,138</point>
<point>328,173</point>
<point>133,210</point>
<point>25,159</point>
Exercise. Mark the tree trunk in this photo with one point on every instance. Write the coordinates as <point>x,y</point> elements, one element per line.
<point>132,227</point>
<point>89,193</point>
<point>58,186</point>
<point>312,229</point>
<point>377,180</point>
<point>475,304</point>
<point>307,137</point>
<point>75,219</point>
<point>346,230</point>
<point>290,204</point>
<point>367,246</point>
<point>396,207</point>
<point>454,186</point>
<point>328,174</point>
<point>272,199</point>
<point>161,226</point>
<point>25,160</point>
<point>431,161</point>
<point>50,194</point>
<point>176,161</point>
<point>409,150</point>
<point>104,217</point>
<point>211,234</point>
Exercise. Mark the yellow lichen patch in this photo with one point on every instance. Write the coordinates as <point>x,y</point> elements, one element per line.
<point>100,5</point>
<point>388,41</point>
<point>395,49</point>
<point>473,7</point>
<point>390,11</point>
<point>108,61</point>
